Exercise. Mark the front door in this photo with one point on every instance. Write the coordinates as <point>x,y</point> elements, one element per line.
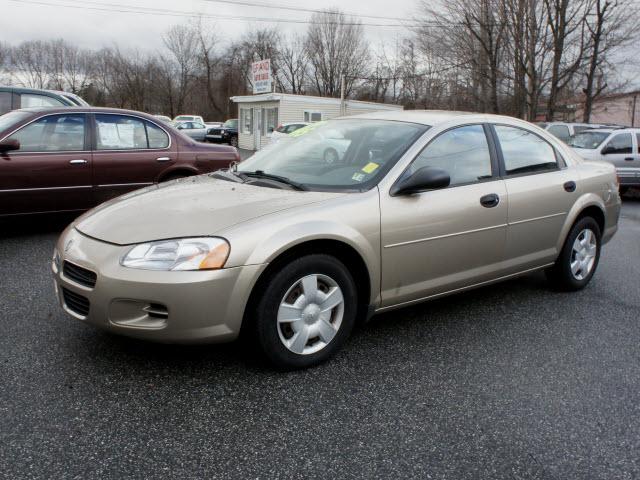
<point>541,192</point>
<point>442,240</point>
<point>52,169</point>
<point>621,151</point>
<point>130,153</point>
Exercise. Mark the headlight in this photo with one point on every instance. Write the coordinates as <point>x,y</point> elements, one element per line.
<point>206,253</point>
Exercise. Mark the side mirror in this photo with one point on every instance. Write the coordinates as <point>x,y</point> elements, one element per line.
<point>608,150</point>
<point>8,145</point>
<point>425,178</point>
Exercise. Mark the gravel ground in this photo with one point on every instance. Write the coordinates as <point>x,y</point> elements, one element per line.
<point>511,381</point>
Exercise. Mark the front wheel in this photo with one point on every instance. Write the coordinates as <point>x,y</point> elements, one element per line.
<point>233,141</point>
<point>579,257</point>
<point>306,312</point>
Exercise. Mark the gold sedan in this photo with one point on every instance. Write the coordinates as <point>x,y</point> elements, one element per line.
<point>293,250</point>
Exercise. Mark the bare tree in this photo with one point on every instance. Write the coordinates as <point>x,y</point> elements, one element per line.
<point>336,46</point>
<point>293,65</point>
<point>180,63</point>
<point>610,26</point>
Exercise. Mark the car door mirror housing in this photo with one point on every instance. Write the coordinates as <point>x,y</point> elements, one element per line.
<point>9,145</point>
<point>425,178</point>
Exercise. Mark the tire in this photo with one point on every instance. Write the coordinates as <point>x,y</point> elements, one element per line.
<point>294,333</point>
<point>331,156</point>
<point>233,141</point>
<point>585,261</point>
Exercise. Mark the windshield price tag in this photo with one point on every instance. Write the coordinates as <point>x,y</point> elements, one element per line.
<point>370,167</point>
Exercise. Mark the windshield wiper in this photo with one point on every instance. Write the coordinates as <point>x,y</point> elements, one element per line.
<point>277,178</point>
<point>229,175</point>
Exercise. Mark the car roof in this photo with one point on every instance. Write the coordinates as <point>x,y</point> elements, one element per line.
<point>76,108</point>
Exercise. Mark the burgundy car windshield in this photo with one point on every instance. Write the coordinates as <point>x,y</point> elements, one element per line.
<point>343,155</point>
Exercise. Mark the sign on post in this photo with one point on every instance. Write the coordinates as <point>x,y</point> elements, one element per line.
<point>261,76</point>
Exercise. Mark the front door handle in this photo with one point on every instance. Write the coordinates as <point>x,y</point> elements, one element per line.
<point>629,159</point>
<point>489,201</point>
<point>163,159</point>
<point>79,161</point>
<point>570,186</point>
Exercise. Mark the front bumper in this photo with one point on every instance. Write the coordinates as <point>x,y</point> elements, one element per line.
<point>171,307</point>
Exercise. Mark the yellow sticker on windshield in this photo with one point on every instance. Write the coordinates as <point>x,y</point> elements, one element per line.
<point>370,167</point>
<point>307,129</point>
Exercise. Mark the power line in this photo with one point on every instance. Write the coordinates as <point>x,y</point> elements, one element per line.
<point>120,8</point>
<point>297,9</point>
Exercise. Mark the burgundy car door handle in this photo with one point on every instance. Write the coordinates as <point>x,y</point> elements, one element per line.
<point>163,159</point>
<point>79,161</point>
<point>490,201</point>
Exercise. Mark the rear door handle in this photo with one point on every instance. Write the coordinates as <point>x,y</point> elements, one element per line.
<point>489,201</point>
<point>163,159</point>
<point>79,161</point>
<point>629,159</point>
<point>570,186</point>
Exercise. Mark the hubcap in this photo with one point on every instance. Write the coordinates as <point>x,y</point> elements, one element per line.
<point>583,254</point>
<point>310,314</point>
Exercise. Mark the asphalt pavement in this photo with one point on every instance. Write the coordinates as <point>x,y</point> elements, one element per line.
<point>511,381</point>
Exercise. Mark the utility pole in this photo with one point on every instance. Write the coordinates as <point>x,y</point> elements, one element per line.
<point>343,110</point>
<point>633,110</point>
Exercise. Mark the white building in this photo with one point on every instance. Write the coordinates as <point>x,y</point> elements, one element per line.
<point>259,115</point>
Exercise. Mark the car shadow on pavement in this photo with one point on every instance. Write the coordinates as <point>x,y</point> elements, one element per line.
<point>17,226</point>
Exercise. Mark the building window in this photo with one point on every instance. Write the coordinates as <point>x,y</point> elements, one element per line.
<point>246,120</point>
<point>310,116</point>
<point>269,120</point>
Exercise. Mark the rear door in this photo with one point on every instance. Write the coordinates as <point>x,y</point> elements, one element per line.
<point>52,169</point>
<point>541,190</point>
<point>130,152</point>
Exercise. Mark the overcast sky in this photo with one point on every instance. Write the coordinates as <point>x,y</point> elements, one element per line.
<point>98,23</point>
<point>37,19</point>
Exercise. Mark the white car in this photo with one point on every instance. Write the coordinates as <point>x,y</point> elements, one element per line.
<point>620,147</point>
<point>564,131</point>
<point>286,129</point>
<point>188,118</point>
<point>195,130</point>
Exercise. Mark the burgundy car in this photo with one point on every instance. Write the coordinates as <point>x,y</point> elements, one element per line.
<point>63,159</point>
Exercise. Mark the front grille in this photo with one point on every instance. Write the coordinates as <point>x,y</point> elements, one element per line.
<point>76,303</point>
<point>79,275</point>
<point>215,131</point>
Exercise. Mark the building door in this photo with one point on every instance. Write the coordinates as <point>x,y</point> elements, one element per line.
<point>257,127</point>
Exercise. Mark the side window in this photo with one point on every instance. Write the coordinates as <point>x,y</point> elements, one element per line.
<point>524,151</point>
<point>54,133</point>
<point>621,143</point>
<point>5,102</point>
<point>34,100</point>
<point>638,141</point>
<point>312,116</point>
<point>462,151</point>
<point>119,132</point>
<point>559,131</point>
<point>269,120</point>
<point>157,137</point>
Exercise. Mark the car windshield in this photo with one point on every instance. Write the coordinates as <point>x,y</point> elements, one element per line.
<point>231,123</point>
<point>588,139</point>
<point>8,119</point>
<point>342,155</point>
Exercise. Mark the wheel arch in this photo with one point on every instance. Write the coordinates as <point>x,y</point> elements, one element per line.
<point>177,170</point>
<point>590,205</point>
<point>343,251</point>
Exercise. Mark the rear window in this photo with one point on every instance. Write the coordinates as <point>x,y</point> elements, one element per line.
<point>559,131</point>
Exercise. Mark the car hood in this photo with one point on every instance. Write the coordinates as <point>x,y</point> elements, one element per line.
<point>190,207</point>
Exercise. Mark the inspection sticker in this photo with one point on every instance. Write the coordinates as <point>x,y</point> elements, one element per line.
<point>358,177</point>
<point>370,167</point>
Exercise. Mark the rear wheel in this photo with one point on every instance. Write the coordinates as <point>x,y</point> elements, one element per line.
<point>579,257</point>
<point>174,176</point>
<point>233,141</point>
<point>306,312</point>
